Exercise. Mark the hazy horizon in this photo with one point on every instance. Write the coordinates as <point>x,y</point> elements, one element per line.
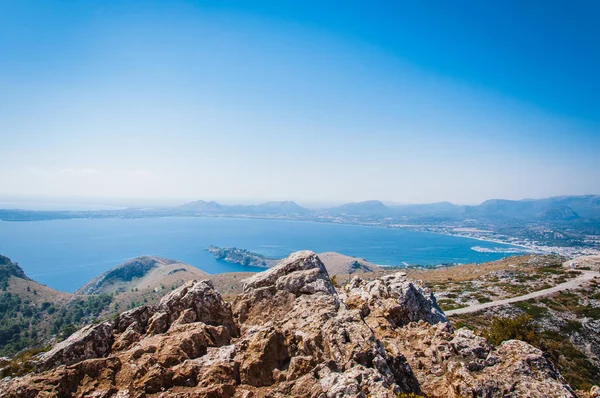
<point>65,203</point>
<point>317,103</point>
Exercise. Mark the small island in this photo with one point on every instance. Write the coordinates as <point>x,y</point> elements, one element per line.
<point>241,256</point>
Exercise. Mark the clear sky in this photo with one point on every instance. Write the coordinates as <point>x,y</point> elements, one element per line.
<point>406,101</point>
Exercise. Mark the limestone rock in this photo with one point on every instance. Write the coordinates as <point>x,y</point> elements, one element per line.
<point>201,298</point>
<point>138,317</point>
<point>468,345</point>
<point>289,334</point>
<point>289,275</point>
<point>193,301</point>
<point>392,301</point>
<point>89,378</point>
<point>293,312</point>
<point>461,364</point>
<point>92,341</point>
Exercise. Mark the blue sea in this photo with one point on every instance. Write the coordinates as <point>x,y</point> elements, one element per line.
<point>65,254</point>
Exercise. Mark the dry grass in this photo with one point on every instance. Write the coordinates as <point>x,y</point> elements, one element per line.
<point>230,283</point>
<point>36,292</point>
<point>467,272</point>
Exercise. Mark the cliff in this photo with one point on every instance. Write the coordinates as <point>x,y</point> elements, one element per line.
<point>290,333</point>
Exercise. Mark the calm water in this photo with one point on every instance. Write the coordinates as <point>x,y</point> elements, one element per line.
<point>65,254</point>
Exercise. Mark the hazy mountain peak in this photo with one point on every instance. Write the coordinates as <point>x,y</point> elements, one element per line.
<point>559,213</point>
<point>371,203</point>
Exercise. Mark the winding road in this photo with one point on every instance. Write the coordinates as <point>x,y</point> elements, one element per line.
<point>586,276</point>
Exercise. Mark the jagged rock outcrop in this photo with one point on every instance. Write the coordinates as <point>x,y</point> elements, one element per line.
<point>392,301</point>
<point>318,347</point>
<point>290,333</point>
<point>458,363</point>
<point>92,341</point>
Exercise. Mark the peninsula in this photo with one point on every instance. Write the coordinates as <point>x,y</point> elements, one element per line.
<point>335,263</point>
<point>241,256</point>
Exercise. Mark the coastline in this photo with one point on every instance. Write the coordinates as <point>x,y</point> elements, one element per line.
<point>530,247</point>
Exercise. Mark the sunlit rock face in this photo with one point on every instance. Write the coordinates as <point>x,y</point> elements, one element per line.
<point>290,333</point>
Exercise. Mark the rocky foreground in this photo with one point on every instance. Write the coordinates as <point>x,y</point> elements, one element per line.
<point>290,333</point>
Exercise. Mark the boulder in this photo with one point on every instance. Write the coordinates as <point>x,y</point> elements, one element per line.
<point>138,317</point>
<point>300,271</point>
<point>391,301</point>
<point>468,345</point>
<point>93,341</point>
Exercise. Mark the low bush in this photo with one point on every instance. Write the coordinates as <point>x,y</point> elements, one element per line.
<point>520,328</point>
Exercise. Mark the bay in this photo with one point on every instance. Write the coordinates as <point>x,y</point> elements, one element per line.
<point>65,254</point>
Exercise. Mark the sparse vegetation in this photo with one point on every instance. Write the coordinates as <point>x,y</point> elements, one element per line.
<point>447,304</point>
<point>531,309</point>
<point>550,270</point>
<point>24,324</point>
<point>544,326</point>
<point>520,328</point>
<point>21,363</point>
<point>8,269</point>
<point>481,298</point>
<point>576,368</point>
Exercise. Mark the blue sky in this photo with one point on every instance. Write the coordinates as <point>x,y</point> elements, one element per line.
<point>312,101</point>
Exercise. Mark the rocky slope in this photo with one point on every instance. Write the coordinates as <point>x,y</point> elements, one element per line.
<point>585,262</point>
<point>30,313</point>
<point>566,325</point>
<point>9,269</point>
<point>290,333</point>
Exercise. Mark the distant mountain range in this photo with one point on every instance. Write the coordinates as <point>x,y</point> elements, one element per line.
<point>564,207</point>
<point>283,207</point>
<point>548,209</point>
<point>560,209</point>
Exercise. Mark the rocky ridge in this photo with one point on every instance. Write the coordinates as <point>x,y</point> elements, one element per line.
<point>290,333</point>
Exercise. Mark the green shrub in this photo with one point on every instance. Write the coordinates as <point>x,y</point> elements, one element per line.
<point>551,270</point>
<point>573,326</point>
<point>531,309</point>
<point>520,328</point>
<point>24,325</point>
